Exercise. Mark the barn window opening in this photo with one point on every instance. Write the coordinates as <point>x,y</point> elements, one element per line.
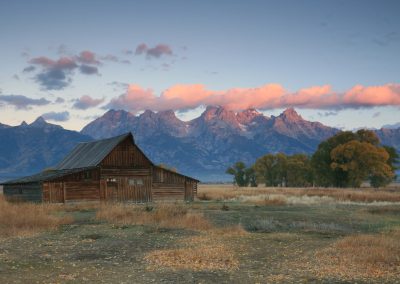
<point>111,180</point>
<point>135,181</point>
<point>87,175</point>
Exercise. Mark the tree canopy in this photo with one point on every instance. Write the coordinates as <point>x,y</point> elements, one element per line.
<point>242,176</point>
<point>344,160</point>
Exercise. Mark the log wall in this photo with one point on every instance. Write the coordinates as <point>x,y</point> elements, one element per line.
<point>24,192</point>
<point>53,192</point>
<point>167,176</point>
<point>169,185</point>
<point>126,155</point>
<point>165,191</point>
<point>132,188</point>
<point>84,175</point>
<point>87,190</point>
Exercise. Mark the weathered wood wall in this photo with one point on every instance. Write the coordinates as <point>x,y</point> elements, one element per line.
<point>108,173</point>
<point>190,190</point>
<point>86,190</point>
<point>132,188</point>
<point>126,155</point>
<point>53,192</point>
<point>170,185</point>
<point>84,175</point>
<point>24,192</point>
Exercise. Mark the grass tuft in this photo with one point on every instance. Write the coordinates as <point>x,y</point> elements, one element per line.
<point>161,215</point>
<point>26,219</point>
<point>282,195</point>
<point>363,255</point>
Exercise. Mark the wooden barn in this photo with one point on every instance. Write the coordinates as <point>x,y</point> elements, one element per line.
<point>113,169</point>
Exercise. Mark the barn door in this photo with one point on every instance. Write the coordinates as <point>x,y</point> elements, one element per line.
<point>112,190</point>
<point>139,188</point>
<point>53,192</point>
<point>188,191</point>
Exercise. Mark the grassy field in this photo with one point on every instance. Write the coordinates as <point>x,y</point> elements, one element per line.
<point>229,235</point>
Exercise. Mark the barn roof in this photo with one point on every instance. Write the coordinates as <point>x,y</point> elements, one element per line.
<point>44,176</point>
<point>90,154</point>
<point>84,156</point>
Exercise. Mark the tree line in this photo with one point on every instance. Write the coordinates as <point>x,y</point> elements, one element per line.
<point>344,160</point>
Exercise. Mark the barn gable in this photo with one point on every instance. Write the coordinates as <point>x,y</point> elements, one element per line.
<point>90,154</point>
<point>126,155</point>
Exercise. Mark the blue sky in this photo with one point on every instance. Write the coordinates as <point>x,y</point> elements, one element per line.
<point>200,52</point>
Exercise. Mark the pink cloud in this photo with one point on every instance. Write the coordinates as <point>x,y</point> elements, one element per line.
<point>65,63</point>
<point>373,96</point>
<point>153,52</point>
<point>181,97</point>
<point>88,57</point>
<point>141,48</point>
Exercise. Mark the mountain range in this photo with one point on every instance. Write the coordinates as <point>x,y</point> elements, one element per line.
<point>30,148</point>
<point>203,147</point>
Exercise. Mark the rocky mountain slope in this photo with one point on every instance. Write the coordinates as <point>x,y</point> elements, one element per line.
<point>27,149</point>
<point>204,147</point>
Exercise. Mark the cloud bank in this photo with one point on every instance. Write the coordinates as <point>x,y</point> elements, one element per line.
<point>270,96</point>
<point>57,74</point>
<point>22,102</point>
<point>153,52</point>
<point>56,116</point>
<point>86,102</point>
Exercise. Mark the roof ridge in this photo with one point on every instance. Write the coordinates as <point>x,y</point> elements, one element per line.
<point>92,153</point>
<point>109,138</point>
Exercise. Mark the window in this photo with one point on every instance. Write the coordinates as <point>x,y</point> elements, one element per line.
<point>111,180</point>
<point>87,175</point>
<point>135,181</point>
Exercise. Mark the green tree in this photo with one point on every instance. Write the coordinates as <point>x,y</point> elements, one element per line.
<point>281,168</point>
<point>321,161</point>
<point>299,171</point>
<point>394,158</point>
<point>265,170</point>
<point>238,170</point>
<point>251,176</point>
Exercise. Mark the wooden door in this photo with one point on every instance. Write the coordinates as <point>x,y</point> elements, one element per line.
<point>138,189</point>
<point>112,191</point>
<point>53,192</point>
<point>188,191</point>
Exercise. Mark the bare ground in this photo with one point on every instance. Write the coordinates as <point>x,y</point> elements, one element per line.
<point>247,243</point>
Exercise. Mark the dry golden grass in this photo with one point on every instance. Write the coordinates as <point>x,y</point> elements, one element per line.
<point>25,219</point>
<point>230,192</point>
<point>80,206</point>
<point>209,251</point>
<point>163,215</point>
<point>362,256</point>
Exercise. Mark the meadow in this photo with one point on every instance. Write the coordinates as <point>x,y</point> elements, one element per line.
<point>228,235</point>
